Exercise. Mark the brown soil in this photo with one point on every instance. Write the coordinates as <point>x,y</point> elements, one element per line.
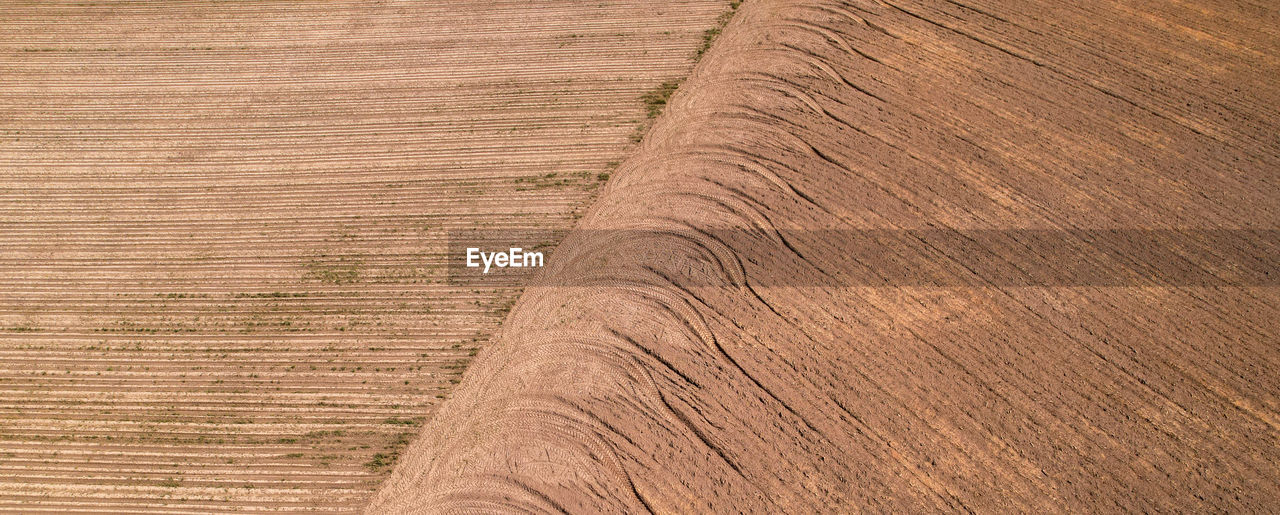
<point>636,393</point>
<point>222,226</point>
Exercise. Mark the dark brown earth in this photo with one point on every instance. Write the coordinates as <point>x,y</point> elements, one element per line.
<point>623,383</point>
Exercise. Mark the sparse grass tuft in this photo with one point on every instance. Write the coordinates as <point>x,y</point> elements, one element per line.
<point>710,35</point>
<point>656,99</point>
<point>637,135</point>
<point>342,270</point>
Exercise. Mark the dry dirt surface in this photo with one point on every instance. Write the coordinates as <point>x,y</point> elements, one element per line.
<point>221,226</point>
<point>697,383</point>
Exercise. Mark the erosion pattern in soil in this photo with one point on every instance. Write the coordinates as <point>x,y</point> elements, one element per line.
<point>221,226</point>
<point>634,393</point>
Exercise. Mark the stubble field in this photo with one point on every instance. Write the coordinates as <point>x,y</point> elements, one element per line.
<point>222,226</point>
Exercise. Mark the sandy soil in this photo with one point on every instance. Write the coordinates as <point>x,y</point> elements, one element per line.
<point>616,386</point>
<point>222,225</point>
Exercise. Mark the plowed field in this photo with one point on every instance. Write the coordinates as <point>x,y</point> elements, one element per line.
<point>670,373</point>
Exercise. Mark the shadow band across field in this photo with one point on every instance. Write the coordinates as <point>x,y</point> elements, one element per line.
<point>903,143</point>
<point>695,257</point>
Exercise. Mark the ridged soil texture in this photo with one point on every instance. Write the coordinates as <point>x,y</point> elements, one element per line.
<point>672,374</point>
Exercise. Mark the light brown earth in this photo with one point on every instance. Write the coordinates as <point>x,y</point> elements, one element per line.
<point>616,386</point>
<point>222,223</point>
